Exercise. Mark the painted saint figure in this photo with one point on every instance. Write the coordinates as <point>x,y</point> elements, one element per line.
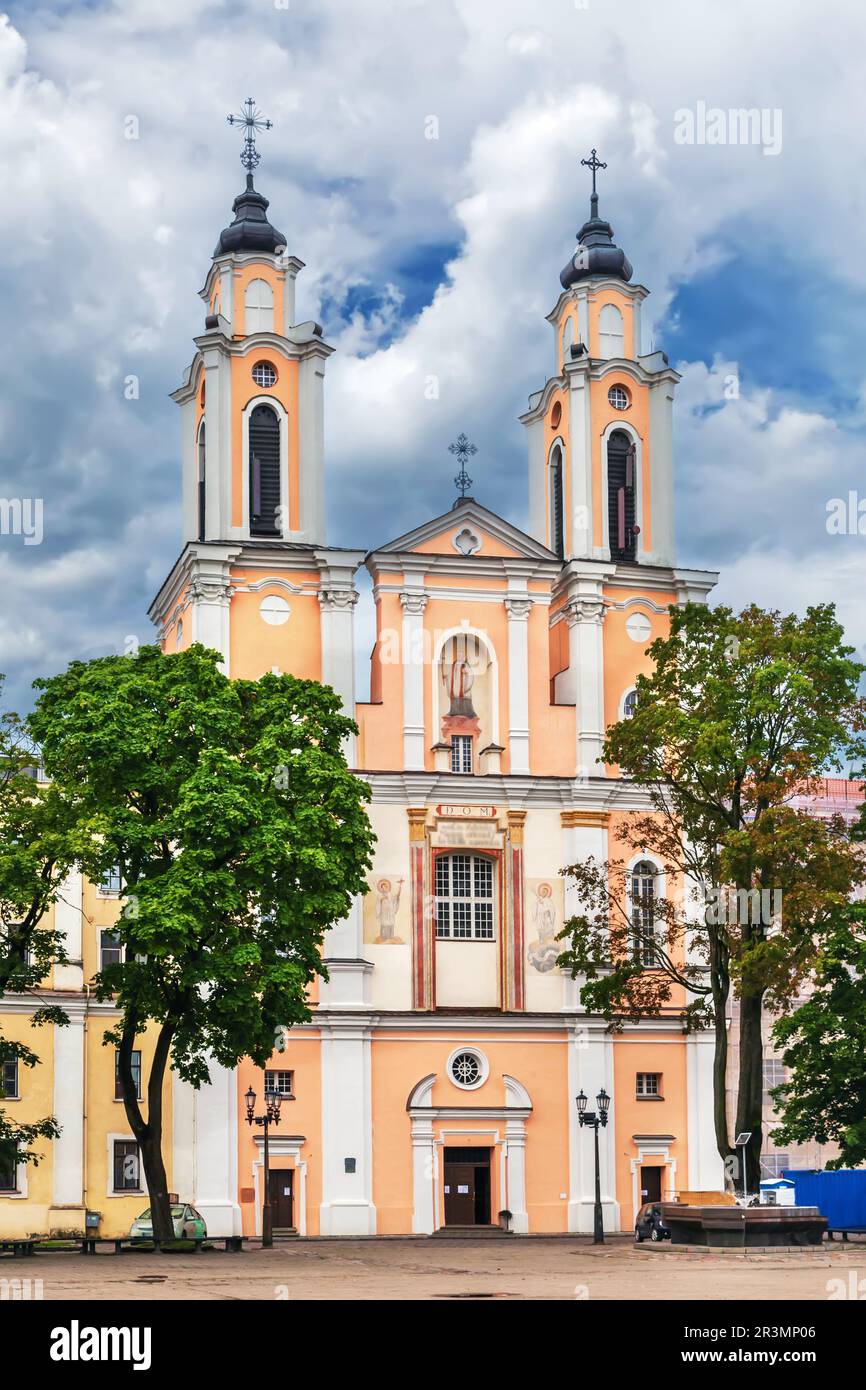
<point>387,903</point>
<point>458,677</point>
<point>544,950</point>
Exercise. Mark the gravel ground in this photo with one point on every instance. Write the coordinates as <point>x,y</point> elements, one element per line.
<point>448,1269</point>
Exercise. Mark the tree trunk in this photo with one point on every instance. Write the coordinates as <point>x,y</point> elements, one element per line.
<point>720,982</point>
<point>148,1133</point>
<point>751,1088</point>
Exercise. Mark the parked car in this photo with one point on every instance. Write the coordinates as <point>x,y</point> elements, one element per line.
<point>649,1223</point>
<point>188,1224</point>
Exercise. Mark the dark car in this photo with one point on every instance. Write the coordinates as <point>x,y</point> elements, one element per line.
<point>650,1224</point>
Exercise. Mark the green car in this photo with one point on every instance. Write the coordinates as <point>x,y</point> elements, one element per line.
<point>188,1224</point>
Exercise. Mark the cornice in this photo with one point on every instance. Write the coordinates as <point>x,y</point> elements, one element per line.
<point>510,791</point>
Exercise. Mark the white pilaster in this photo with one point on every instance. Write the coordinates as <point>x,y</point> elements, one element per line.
<point>347,1129</point>
<point>578,532</point>
<point>590,1066</point>
<point>515,1139</point>
<point>423,1177</point>
<point>211,595</point>
<point>537,481</point>
<point>68,1147</point>
<point>311,436</point>
<point>68,921</point>
<point>706,1170</point>
<point>518,606</point>
<point>661,397</point>
<point>337,603</point>
<point>414,602</point>
<point>585,615</point>
<point>216,1152</point>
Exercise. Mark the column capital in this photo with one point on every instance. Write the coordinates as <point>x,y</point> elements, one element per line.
<point>211,591</point>
<point>570,819</point>
<point>518,608</point>
<point>413,601</point>
<point>417,817</point>
<point>516,821</point>
<point>338,600</point>
<point>584,610</point>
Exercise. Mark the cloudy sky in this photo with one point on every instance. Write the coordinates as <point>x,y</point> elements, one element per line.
<point>426,256</point>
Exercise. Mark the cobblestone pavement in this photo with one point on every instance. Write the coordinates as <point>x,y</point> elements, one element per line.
<point>448,1269</point>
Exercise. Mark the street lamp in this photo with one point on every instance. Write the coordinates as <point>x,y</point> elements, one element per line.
<point>270,1117</point>
<point>594,1118</point>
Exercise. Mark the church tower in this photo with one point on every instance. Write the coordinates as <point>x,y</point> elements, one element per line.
<point>255,579</point>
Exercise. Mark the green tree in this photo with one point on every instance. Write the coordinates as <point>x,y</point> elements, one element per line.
<point>739,713</point>
<point>824,1043</point>
<point>38,844</point>
<point>240,835</point>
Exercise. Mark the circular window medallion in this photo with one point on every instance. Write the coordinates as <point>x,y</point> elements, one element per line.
<point>638,627</point>
<point>619,398</point>
<point>264,374</point>
<point>274,610</point>
<point>556,415</point>
<point>467,1068</point>
<point>466,541</point>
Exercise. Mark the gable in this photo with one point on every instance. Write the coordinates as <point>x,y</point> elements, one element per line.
<point>469,529</point>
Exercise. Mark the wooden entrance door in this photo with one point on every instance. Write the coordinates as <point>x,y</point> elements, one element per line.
<point>282,1196</point>
<point>650,1185</point>
<point>467,1187</point>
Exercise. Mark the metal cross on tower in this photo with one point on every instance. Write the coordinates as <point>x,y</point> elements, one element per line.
<point>463,450</point>
<point>594,163</point>
<point>252,120</point>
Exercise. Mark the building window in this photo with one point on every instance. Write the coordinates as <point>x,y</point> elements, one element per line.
<point>136,1075</point>
<point>643,891</point>
<point>774,1165</point>
<point>283,1082</point>
<point>264,374</point>
<point>259,307</point>
<point>9,1079</point>
<point>611,334</point>
<point>110,949</point>
<point>556,528</point>
<point>648,1085</point>
<point>111,884</point>
<point>461,753</point>
<point>8,1171</point>
<point>464,897</point>
<point>468,1068</point>
<point>619,398</point>
<point>202,492</point>
<point>127,1166</point>
<point>621,496</point>
<point>629,705</point>
<point>264,453</point>
<point>775,1074</point>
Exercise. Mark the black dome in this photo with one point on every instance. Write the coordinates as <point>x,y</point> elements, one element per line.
<point>596,253</point>
<point>251,230</point>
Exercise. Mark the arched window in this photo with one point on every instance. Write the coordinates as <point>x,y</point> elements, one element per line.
<point>621,496</point>
<point>610,331</point>
<point>567,339</point>
<point>629,704</point>
<point>264,456</point>
<point>556,515</point>
<point>259,307</point>
<point>464,897</point>
<point>202,487</point>
<point>643,915</point>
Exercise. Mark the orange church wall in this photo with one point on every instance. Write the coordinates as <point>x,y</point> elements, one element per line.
<point>623,658</point>
<point>539,1063</point>
<point>441,544</point>
<point>285,391</point>
<point>300,1116</point>
<point>651,1052</point>
<point>380,725</point>
<point>256,646</point>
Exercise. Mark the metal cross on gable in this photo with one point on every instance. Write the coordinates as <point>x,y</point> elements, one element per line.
<point>463,451</point>
<point>252,120</point>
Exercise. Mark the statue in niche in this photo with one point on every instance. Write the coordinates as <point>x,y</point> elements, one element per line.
<point>458,678</point>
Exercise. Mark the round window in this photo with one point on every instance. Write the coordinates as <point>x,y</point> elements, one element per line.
<point>619,398</point>
<point>556,415</point>
<point>467,1070</point>
<point>264,374</point>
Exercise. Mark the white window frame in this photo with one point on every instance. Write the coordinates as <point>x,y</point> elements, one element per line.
<point>609,340</point>
<point>462,753</point>
<point>640,1088</point>
<point>471,899</point>
<point>281,1071</point>
<point>258,307</point>
<point>111,1190</point>
<point>483,1065</point>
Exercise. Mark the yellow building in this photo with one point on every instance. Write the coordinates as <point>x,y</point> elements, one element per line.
<point>436,1083</point>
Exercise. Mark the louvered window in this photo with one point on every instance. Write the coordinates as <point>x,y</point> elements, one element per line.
<point>201,483</point>
<point>621,496</point>
<point>556,533</point>
<point>264,472</point>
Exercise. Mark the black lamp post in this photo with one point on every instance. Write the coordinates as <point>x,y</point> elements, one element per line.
<point>594,1119</point>
<point>270,1117</point>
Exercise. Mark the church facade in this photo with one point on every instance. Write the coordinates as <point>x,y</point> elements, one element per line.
<point>435,1084</point>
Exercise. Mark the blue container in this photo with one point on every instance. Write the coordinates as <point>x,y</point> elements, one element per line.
<point>840,1195</point>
